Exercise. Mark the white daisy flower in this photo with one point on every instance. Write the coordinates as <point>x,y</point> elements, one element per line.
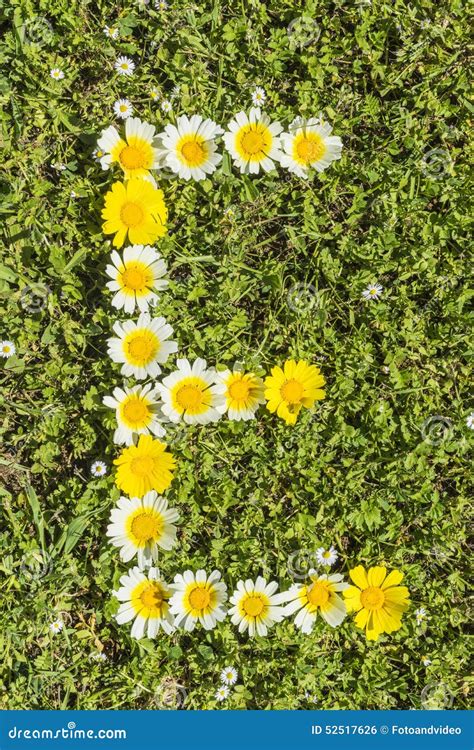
<point>309,145</point>
<point>161,5</point>
<point>7,349</point>
<point>136,277</point>
<point>166,105</point>
<point>137,411</point>
<point>198,598</point>
<point>425,661</point>
<point>190,393</point>
<point>111,32</point>
<point>469,418</point>
<point>320,596</point>
<point>421,615</point>
<point>141,526</point>
<point>222,693</point>
<point>56,626</point>
<point>258,96</point>
<point>59,167</point>
<point>175,91</point>
<point>256,606</point>
<point>56,73</point>
<point>188,148</point>
<point>326,556</point>
<point>154,93</point>
<point>98,469</point>
<point>229,675</point>
<point>145,599</point>
<point>98,656</point>
<point>135,152</point>
<point>123,109</point>
<point>373,291</point>
<point>142,346</point>
<point>243,393</point>
<point>124,66</point>
<point>98,154</point>
<point>253,141</point>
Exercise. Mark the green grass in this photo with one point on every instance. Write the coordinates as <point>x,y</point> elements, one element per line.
<point>361,472</point>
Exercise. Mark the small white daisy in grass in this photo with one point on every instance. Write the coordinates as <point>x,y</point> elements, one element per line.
<point>258,96</point>
<point>190,393</point>
<point>373,291</point>
<point>137,411</point>
<point>123,109</point>
<point>111,32</point>
<point>425,661</point>
<point>421,615</point>
<point>243,393</point>
<point>175,91</point>
<point>98,154</point>
<point>229,675</point>
<point>198,598</point>
<point>142,346</point>
<point>470,420</point>
<point>98,469</point>
<point>309,145</point>
<point>134,150</point>
<point>188,148</point>
<point>166,105</point>
<point>222,693</point>
<point>144,598</point>
<point>98,656</point>
<point>124,66</point>
<point>56,626</point>
<point>326,556</point>
<point>256,606</point>
<point>161,5</point>
<point>7,349</point>
<point>320,596</point>
<point>142,526</point>
<point>253,141</point>
<point>57,74</point>
<point>154,93</point>
<point>137,276</point>
<point>287,390</point>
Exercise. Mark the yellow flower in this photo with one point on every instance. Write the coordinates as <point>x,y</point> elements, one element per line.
<point>378,600</point>
<point>135,208</point>
<point>144,467</point>
<point>297,385</point>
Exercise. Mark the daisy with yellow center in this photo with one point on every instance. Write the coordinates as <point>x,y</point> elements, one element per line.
<point>243,393</point>
<point>144,598</point>
<point>378,599</point>
<point>309,145</point>
<point>253,141</point>
<point>256,606</point>
<point>137,411</point>
<point>321,596</point>
<point>142,346</point>
<point>188,148</point>
<point>136,277</point>
<point>144,467</point>
<point>198,598</point>
<point>296,385</point>
<point>190,394</point>
<point>135,152</point>
<point>135,210</point>
<point>140,527</point>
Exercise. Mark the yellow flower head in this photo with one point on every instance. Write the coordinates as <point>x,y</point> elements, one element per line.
<point>297,385</point>
<point>144,467</point>
<point>378,600</point>
<point>136,209</point>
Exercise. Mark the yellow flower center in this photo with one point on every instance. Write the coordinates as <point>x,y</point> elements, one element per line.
<point>142,466</point>
<point>142,348</point>
<point>192,152</point>
<point>123,107</point>
<point>318,594</point>
<point>239,390</point>
<point>326,554</point>
<point>372,598</point>
<point>132,157</point>
<point>135,277</point>
<point>146,526</point>
<point>292,391</point>
<point>311,149</point>
<point>189,397</point>
<point>131,214</point>
<point>135,410</point>
<point>199,598</point>
<point>152,596</point>
<point>252,142</point>
<point>253,606</point>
